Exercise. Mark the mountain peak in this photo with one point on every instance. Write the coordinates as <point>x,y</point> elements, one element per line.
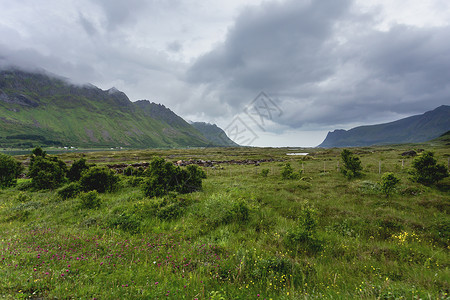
<point>414,129</point>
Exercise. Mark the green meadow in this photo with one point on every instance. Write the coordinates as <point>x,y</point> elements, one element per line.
<point>247,234</point>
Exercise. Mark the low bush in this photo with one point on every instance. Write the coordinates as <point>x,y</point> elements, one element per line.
<point>125,221</point>
<point>70,190</point>
<point>10,169</point>
<point>47,172</point>
<point>77,168</point>
<point>100,179</point>
<point>90,200</point>
<point>164,177</point>
<point>23,197</point>
<point>303,238</point>
<point>288,172</point>
<point>388,183</point>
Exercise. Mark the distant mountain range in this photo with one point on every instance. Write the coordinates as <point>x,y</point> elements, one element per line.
<point>214,134</point>
<point>415,129</point>
<point>41,109</point>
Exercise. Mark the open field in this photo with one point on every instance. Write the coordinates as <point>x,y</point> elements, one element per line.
<point>238,238</point>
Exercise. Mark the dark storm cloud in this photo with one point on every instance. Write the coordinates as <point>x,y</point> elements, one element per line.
<point>327,65</point>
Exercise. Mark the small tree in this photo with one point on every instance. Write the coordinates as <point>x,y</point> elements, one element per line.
<point>388,183</point>
<point>352,165</point>
<point>10,169</point>
<point>426,170</point>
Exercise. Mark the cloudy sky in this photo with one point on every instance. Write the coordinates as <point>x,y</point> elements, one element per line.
<point>321,64</point>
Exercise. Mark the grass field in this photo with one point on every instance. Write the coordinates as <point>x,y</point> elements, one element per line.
<point>244,236</point>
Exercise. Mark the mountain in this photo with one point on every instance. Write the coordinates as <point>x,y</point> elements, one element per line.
<point>415,129</point>
<point>214,134</point>
<point>42,109</point>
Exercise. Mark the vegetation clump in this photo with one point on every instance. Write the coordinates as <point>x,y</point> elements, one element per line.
<point>70,190</point>
<point>164,177</point>
<point>352,165</point>
<point>426,170</point>
<point>388,183</point>
<point>90,200</point>
<point>10,170</point>
<point>46,172</point>
<point>288,172</point>
<point>76,170</point>
<point>100,179</point>
<point>304,236</point>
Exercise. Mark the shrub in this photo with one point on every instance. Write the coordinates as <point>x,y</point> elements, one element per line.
<point>90,200</point>
<point>426,170</point>
<point>288,172</point>
<point>304,237</point>
<point>77,168</point>
<point>46,172</point>
<point>264,172</point>
<point>240,212</point>
<point>388,183</point>
<point>23,197</point>
<point>69,191</point>
<point>190,179</point>
<point>100,179</point>
<point>164,177</point>
<point>125,222</point>
<point>10,169</point>
<point>351,164</point>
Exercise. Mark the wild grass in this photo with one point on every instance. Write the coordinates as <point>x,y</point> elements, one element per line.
<point>234,239</point>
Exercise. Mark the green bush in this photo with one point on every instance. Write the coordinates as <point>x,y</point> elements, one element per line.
<point>288,172</point>
<point>240,212</point>
<point>351,165</point>
<point>264,172</point>
<point>304,236</point>
<point>100,179</point>
<point>47,172</point>
<point>90,200</point>
<point>388,183</point>
<point>69,191</point>
<point>125,222</point>
<point>190,179</point>
<point>10,169</point>
<point>426,170</point>
<point>23,197</point>
<point>164,177</point>
<point>77,168</point>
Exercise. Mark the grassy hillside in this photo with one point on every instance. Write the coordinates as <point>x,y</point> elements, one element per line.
<point>36,109</point>
<point>415,129</point>
<point>214,134</point>
<point>240,237</point>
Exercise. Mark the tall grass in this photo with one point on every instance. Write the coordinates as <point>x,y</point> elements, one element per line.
<point>234,239</point>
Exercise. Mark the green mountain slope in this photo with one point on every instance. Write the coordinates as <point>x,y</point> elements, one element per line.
<point>214,134</point>
<point>415,129</point>
<point>38,109</point>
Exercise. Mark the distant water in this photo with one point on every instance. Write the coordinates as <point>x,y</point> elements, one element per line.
<point>28,152</point>
<point>303,154</point>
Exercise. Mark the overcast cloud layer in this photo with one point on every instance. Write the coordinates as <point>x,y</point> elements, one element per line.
<point>324,64</point>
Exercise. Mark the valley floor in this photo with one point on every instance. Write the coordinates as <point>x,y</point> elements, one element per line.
<point>248,234</point>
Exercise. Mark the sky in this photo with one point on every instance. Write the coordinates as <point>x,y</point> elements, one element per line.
<point>269,72</point>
